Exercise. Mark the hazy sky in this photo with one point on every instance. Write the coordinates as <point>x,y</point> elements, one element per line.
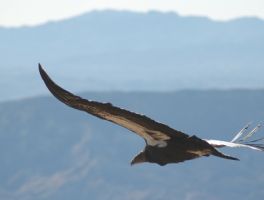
<point>29,12</point>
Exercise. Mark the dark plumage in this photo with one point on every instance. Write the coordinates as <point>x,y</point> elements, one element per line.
<point>163,144</point>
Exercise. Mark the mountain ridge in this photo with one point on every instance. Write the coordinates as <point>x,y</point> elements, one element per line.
<point>51,151</point>
<point>113,11</point>
<point>129,51</point>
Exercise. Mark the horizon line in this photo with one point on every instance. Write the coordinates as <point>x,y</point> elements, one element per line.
<point>41,23</point>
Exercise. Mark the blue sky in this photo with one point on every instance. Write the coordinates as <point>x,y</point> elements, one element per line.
<point>31,12</point>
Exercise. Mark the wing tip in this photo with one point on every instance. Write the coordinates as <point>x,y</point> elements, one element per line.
<point>42,72</point>
<point>40,68</point>
<point>61,94</point>
<point>52,86</point>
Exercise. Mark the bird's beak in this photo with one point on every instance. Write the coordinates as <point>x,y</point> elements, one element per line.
<point>140,158</point>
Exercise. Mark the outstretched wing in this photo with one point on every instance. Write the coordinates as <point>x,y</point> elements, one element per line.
<point>153,132</point>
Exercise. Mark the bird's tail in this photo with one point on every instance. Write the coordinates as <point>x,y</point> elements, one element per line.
<point>221,155</point>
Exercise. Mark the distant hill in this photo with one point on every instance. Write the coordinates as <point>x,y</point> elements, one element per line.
<point>49,151</point>
<point>127,51</point>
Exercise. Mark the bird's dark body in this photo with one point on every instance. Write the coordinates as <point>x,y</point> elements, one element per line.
<point>178,150</point>
<point>163,144</point>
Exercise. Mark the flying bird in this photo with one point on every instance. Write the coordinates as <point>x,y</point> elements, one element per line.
<point>163,144</point>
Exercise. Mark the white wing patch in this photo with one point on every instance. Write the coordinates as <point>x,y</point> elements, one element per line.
<point>220,143</point>
<point>241,139</point>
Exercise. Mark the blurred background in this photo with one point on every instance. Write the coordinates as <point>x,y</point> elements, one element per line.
<point>195,65</point>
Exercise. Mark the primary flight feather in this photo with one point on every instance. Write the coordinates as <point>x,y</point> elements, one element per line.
<point>163,144</point>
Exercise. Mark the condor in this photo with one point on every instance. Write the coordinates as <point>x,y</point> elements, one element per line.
<point>163,144</point>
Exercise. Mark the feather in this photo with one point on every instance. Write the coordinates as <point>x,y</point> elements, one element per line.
<point>241,132</point>
<point>251,133</point>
